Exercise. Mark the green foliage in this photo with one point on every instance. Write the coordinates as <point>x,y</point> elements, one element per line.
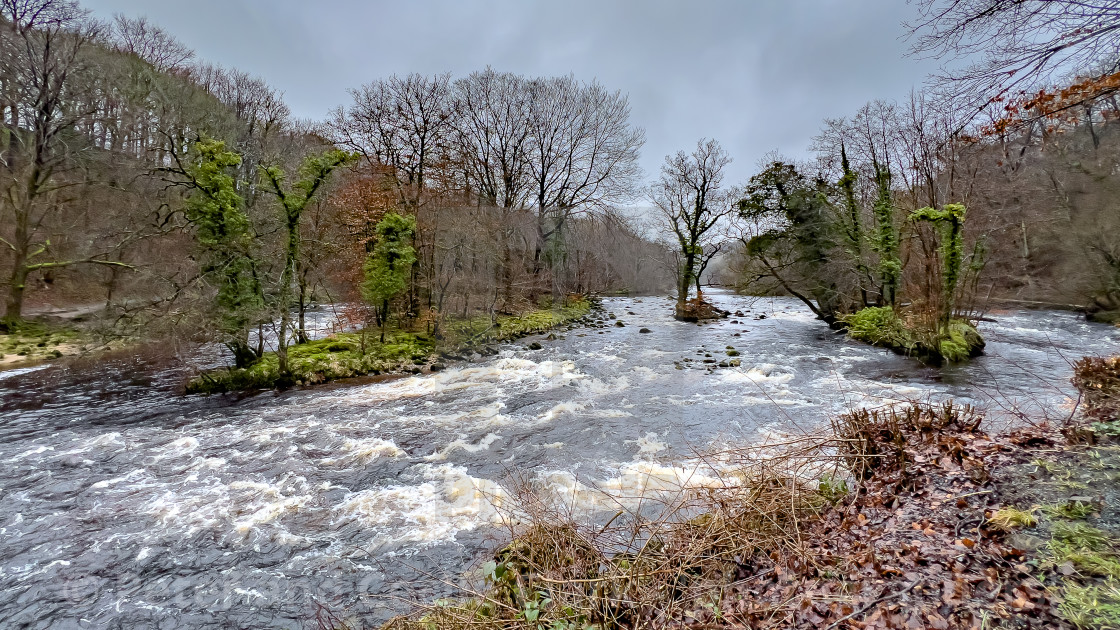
<point>340,356</point>
<point>1092,607</point>
<point>890,266</point>
<point>832,489</point>
<point>1070,510</point>
<point>879,326</point>
<point>950,222</point>
<point>387,268</point>
<point>1087,548</point>
<point>37,341</point>
<point>225,238</point>
<point>313,173</point>
<point>961,342</point>
<point>793,213</point>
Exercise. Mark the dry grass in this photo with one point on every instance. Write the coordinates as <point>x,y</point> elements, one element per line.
<point>666,557</point>
<point>1098,380</point>
<point>874,439</point>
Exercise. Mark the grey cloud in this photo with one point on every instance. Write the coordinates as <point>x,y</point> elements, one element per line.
<point>758,75</point>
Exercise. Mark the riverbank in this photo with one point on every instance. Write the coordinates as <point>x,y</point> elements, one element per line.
<point>347,355</point>
<point>912,517</point>
<point>30,343</point>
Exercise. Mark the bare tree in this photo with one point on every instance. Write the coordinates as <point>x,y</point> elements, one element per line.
<point>42,44</point>
<point>1017,44</point>
<point>582,156</point>
<point>138,36</point>
<point>402,123</point>
<point>690,196</point>
<point>492,137</point>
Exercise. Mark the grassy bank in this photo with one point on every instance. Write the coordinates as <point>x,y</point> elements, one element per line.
<point>29,342</point>
<point>881,326</point>
<point>341,356</point>
<point>906,518</point>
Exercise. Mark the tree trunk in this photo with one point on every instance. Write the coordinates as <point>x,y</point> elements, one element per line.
<point>13,309</point>
<point>685,280</point>
<point>301,333</point>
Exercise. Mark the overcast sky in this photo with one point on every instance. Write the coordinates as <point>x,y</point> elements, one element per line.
<point>757,75</point>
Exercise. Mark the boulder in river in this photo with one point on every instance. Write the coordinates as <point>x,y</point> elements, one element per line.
<point>645,330</point>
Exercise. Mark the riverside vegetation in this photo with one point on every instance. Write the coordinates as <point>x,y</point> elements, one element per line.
<point>450,213</point>
<point>899,518</point>
<point>228,218</point>
<point>346,355</point>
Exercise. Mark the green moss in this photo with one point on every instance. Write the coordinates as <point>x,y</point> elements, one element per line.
<point>340,356</point>
<point>881,326</point>
<point>39,341</point>
<point>962,343</point>
<point>1071,510</point>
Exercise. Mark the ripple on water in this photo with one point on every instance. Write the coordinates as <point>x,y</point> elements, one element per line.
<point>248,503</point>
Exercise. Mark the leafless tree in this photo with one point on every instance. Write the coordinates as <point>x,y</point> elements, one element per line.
<point>403,123</point>
<point>1015,45</point>
<point>42,43</point>
<point>138,36</point>
<point>692,201</point>
<point>582,155</point>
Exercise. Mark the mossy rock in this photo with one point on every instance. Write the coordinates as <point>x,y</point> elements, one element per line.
<point>881,326</point>
<point>1104,317</point>
<point>964,342</point>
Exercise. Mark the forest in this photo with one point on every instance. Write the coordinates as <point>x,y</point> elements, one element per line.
<point>447,356</point>
<point>181,200</point>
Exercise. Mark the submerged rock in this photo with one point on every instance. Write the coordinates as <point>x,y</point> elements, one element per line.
<point>645,330</point>
<point>535,346</point>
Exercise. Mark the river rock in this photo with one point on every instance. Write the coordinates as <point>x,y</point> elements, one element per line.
<point>619,324</point>
<point>535,346</point>
<point>645,330</point>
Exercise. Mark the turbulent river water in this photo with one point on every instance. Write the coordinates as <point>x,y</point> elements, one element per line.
<point>125,504</point>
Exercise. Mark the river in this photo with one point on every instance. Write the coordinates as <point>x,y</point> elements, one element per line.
<point>125,504</point>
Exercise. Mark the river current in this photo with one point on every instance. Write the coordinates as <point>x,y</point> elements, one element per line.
<point>125,504</point>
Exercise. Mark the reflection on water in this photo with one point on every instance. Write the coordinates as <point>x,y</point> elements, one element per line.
<point>124,503</point>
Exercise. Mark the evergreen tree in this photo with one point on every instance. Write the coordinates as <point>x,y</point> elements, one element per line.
<point>387,268</point>
<point>225,239</point>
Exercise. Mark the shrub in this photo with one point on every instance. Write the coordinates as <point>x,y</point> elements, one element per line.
<point>1098,380</point>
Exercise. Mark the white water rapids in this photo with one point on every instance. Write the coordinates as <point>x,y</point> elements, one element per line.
<point>123,504</point>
